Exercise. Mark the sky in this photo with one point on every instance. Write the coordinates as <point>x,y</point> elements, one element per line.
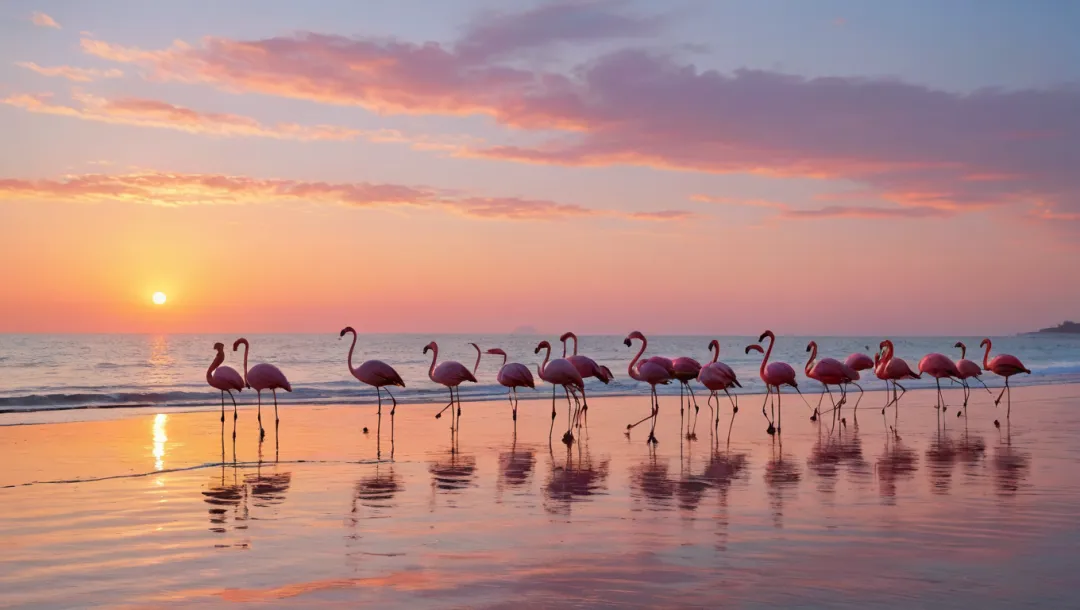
<point>686,167</point>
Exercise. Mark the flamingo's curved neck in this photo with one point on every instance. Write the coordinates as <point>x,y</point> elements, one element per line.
<point>768,352</point>
<point>574,337</point>
<point>213,365</point>
<point>963,351</point>
<point>813,355</point>
<point>715,351</point>
<point>889,349</point>
<point>434,357</point>
<point>632,370</point>
<point>246,346</point>
<point>351,348</point>
<point>504,359</point>
<point>477,365</point>
<point>541,367</point>
<point>986,355</point>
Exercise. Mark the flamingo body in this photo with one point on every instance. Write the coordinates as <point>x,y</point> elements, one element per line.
<point>685,368</point>
<point>226,378</point>
<point>452,374</point>
<point>859,362</point>
<point>267,377</point>
<point>586,367</point>
<point>515,375</point>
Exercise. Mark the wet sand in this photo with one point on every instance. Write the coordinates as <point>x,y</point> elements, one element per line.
<point>129,507</point>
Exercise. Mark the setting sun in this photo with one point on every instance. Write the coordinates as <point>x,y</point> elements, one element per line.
<point>159,298</point>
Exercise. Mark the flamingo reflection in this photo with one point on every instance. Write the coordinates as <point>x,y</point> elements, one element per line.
<point>378,490</point>
<point>782,475</point>
<point>576,480</point>
<point>895,463</point>
<point>515,467</point>
<point>1011,466</point>
<point>453,472</point>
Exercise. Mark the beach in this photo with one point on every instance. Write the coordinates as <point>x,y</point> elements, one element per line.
<point>133,507</point>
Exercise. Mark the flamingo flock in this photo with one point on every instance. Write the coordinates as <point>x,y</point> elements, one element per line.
<point>570,372</point>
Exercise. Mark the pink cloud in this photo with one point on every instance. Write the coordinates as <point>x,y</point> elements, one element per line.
<point>43,20</point>
<point>179,189</point>
<point>155,113</point>
<point>81,75</point>
<point>754,203</point>
<point>908,144</point>
<point>865,213</point>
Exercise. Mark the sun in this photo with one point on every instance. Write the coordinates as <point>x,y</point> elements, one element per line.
<point>158,298</point>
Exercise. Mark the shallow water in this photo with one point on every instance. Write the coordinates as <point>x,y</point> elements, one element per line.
<point>159,371</point>
<point>895,512</point>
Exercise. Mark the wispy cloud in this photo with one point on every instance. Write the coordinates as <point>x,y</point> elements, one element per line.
<point>180,189</point>
<point>865,212</point>
<point>154,113</point>
<point>80,75</point>
<point>909,144</point>
<point>753,203</point>
<point>43,20</point>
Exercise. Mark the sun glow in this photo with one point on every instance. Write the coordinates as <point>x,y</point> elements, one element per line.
<point>159,298</point>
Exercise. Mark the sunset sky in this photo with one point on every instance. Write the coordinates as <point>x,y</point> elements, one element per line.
<point>837,167</point>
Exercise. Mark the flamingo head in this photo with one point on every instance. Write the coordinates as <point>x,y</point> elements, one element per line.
<point>430,346</point>
<point>241,341</point>
<point>960,344</point>
<point>811,345</point>
<point>714,344</point>
<point>754,348</point>
<point>476,346</point>
<point>496,351</point>
<point>984,343</point>
<point>634,335</point>
<point>768,334</point>
<point>566,336</point>
<point>541,345</point>
<point>219,347</point>
<point>884,344</point>
<point>347,329</point>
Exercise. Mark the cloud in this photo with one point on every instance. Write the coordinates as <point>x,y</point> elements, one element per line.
<point>180,189</point>
<point>43,20</point>
<point>80,75</point>
<point>154,113</point>
<point>865,212</point>
<point>500,34</point>
<point>754,203</point>
<point>662,215</point>
<point>907,144</point>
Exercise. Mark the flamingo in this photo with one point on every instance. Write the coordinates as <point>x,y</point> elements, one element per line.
<point>586,367</point>
<point>450,374</point>
<point>377,374</point>
<point>829,371</point>
<point>685,369</point>
<point>478,354</point>
<point>858,362</point>
<point>651,372</point>
<point>939,366</point>
<point>894,370</point>
<point>513,375</point>
<point>1005,366</point>
<point>968,370</point>
<point>226,379</point>
<point>262,377</point>
<point>775,374</point>
<point>559,372</point>
<point>717,376</point>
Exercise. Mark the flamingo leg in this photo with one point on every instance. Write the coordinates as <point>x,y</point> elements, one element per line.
<point>448,405</point>
<point>857,401</point>
<point>983,385</point>
<point>768,394</point>
<point>515,407</point>
<point>713,415</point>
<point>696,408</point>
<point>1008,395</point>
<point>223,406</point>
<point>656,413</point>
<point>552,428</point>
<point>234,413</point>
<point>262,432</point>
<point>457,423</point>
<point>378,394</point>
<point>997,400</point>
<point>274,392</point>
<point>378,429</point>
<point>779,409</point>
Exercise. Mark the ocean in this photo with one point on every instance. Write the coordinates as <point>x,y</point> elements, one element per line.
<point>43,372</point>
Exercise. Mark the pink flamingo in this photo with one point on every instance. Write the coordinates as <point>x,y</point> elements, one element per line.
<point>717,376</point>
<point>939,366</point>
<point>559,372</point>
<point>377,374</point>
<point>586,367</point>
<point>685,369</point>
<point>1005,366</point>
<point>513,375</point>
<point>775,374</point>
<point>858,362</point>
<point>479,353</point>
<point>829,371</point>
<point>226,379</point>
<point>968,370</point>
<point>895,369</point>
<point>651,372</point>
<point>262,377</point>
<point>450,374</point>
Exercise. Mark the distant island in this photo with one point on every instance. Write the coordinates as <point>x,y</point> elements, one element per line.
<point>1066,327</point>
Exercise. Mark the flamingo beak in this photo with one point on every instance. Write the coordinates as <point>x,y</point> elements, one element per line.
<point>627,342</point>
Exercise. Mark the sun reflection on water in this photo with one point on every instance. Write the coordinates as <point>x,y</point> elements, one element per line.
<point>159,440</point>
